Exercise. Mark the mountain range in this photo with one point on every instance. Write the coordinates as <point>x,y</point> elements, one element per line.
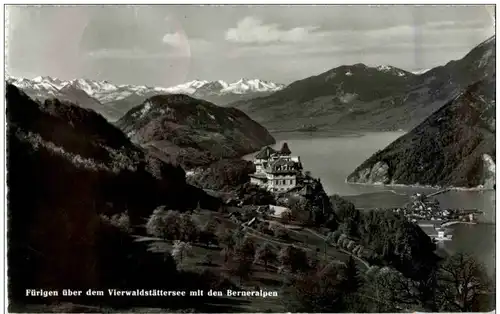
<point>177,127</point>
<point>360,97</point>
<point>113,101</point>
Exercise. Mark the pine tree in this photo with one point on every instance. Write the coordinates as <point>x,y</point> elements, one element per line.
<point>352,280</point>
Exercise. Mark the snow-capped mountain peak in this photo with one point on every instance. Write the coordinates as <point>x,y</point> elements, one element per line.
<point>419,72</point>
<point>187,88</point>
<point>241,86</point>
<point>244,85</point>
<point>105,91</point>
<point>390,69</point>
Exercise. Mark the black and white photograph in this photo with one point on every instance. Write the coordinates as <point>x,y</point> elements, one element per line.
<point>250,158</point>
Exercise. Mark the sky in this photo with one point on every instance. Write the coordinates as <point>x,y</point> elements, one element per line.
<point>165,45</point>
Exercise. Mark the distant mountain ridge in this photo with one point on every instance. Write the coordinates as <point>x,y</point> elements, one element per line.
<point>114,100</point>
<point>359,97</point>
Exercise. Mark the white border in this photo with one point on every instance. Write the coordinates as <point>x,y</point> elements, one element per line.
<point>3,263</point>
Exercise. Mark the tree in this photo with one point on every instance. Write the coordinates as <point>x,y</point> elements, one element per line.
<point>382,291</point>
<point>343,208</point>
<point>335,236</point>
<point>286,217</point>
<point>255,195</point>
<point>156,225</point>
<point>246,249</point>
<point>341,239</point>
<point>266,254</point>
<point>121,221</point>
<point>241,267</point>
<point>181,250</point>
<point>350,245</point>
<point>320,292</point>
<point>463,283</point>
<point>351,281</point>
<point>242,259</point>
<point>172,224</point>
<point>207,233</point>
<point>299,204</point>
<point>293,259</point>
<point>356,249</point>
<point>238,236</point>
<point>300,208</point>
<point>226,238</point>
<point>345,242</point>
<point>225,174</point>
<point>187,228</point>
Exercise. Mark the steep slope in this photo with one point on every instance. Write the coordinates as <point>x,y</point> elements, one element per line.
<point>66,166</point>
<point>193,132</point>
<point>89,143</point>
<point>455,146</point>
<point>363,98</point>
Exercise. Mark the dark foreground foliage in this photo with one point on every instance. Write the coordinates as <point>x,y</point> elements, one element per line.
<point>223,175</point>
<point>67,168</point>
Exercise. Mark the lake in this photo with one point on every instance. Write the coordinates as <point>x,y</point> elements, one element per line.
<point>333,158</point>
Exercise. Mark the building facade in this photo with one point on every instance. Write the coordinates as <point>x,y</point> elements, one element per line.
<point>277,171</point>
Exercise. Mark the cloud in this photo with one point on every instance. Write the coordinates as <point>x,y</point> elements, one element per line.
<point>401,39</point>
<point>173,39</point>
<point>253,30</point>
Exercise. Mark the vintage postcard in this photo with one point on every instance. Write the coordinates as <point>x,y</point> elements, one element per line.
<point>250,158</point>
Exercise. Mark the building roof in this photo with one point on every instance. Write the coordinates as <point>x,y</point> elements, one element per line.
<point>282,166</point>
<point>260,176</point>
<point>265,153</point>
<point>285,150</point>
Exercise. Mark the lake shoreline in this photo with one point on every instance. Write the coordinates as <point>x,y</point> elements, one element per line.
<point>452,223</point>
<point>418,186</point>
